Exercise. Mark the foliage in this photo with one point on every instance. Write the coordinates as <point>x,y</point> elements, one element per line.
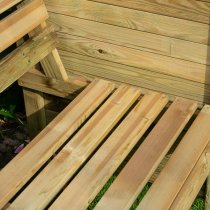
<point>10,114</point>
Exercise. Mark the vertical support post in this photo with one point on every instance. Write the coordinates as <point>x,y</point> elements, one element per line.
<point>35,112</point>
<point>207,199</point>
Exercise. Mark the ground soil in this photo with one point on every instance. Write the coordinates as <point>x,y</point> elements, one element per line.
<point>13,138</point>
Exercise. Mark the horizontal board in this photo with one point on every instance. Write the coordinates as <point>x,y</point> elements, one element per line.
<point>132,38</point>
<point>21,22</point>
<point>50,139</point>
<point>76,151</point>
<point>186,9</point>
<point>132,57</point>
<point>85,65</point>
<point>6,4</point>
<point>50,85</point>
<point>132,19</point>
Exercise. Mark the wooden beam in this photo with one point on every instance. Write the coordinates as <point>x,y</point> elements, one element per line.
<point>21,22</point>
<point>35,112</point>
<point>139,40</point>
<point>25,57</point>
<point>50,85</point>
<point>189,10</point>
<point>6,4</point>
<point>207,199</point>
<point>132,19</point>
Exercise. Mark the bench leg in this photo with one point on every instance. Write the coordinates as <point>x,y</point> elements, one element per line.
<point>35,111</point>
<point>207,201</point>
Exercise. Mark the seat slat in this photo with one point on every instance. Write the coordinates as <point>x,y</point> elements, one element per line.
<point>195,180</point>
<point>21,22</point>
<point>48,183</point>
<point>140,168</point>
<point>169,182</point>
<point>28,162</point>
<point>103,164</point>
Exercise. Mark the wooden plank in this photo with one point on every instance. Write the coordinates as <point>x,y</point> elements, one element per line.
<point>76,151</point>
<point>50,139</point>
<point>190,10</point>
<point>51,64</point>
<point>192,185</point>
<point>19,23</point>
<point>6,4</point>
<point>131,181</point>
<point>103,164</point>
<point>172,178</point>
<point>131,38</point>
<point>136,58</point>
<point>35,112</point>
<point>207,195</point>
<point>50,85</point>
<point>25,57</point>
<point>175,86</point>
<point>132,19</point>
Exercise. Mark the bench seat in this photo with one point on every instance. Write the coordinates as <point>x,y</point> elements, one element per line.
<point>70,161</point>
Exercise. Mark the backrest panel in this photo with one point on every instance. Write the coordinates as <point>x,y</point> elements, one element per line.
<point>148,43</point>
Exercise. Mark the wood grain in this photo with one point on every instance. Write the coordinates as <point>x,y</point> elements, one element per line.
<point>25,57</point>
<point>192,185</point>
<point>103,164</point>
<point>50,139</point>
<point>132,57</point>
<point>50,85</point>
<point>76,151</point>
<point>132,19</point>
<point>207,193</point>
<point>51,64</point>
<point>186,9</point>
<point>140,40</point>
<point>91,67</point>
<point>6,4</point>
<point>168,184</point>
<point>16,25</point>
<point>131,181</point>
<point>35,112</point>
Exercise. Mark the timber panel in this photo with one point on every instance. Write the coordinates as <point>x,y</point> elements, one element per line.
<point>168,39</point>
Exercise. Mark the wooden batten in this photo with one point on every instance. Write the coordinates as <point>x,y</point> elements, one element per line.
<point>188,10</point>
<point>50,85</point>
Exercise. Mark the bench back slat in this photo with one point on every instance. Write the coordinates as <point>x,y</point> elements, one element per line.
<point>21,22</point>
<point>6,4</point>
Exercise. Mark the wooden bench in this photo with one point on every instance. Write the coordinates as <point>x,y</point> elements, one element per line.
<point>70,161</point>
<point>111,136</point>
